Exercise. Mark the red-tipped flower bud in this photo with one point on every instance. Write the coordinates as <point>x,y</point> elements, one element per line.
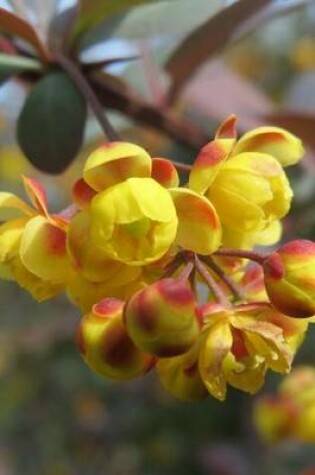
<point>105,345</point>
<point>290,278</point>
<point>163,319</point>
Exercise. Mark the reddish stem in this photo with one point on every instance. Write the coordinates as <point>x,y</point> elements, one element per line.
<point>183,167</point>
<point>186,272</point>
<point>251,255</point>
<point>212,284</point>
<point>235,288</point>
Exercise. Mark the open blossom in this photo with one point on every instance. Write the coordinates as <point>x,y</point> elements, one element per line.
<point>33,243</point>
<point>240,345</point>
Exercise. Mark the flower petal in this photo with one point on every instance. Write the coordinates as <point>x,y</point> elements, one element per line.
<point>115,162</point>
<point>215,348</point>
<point>199,227</point>
<point>43,250</point>
<point>208,163</point>
<point>279,143</point>
<point>37,195</point>
<point>82,193</point>
<point>164,172</point>
<point>11,206</point>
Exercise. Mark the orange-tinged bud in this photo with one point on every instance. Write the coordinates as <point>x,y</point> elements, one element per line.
<point>105,345</point>
<point>290,278</point>
<point>275,417</point>
<point>163,319</point>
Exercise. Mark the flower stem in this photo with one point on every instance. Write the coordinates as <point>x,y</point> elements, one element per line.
<point>251,255</point>
<point>211,283</point>
<point>235,288</point>
<point>186,272</point>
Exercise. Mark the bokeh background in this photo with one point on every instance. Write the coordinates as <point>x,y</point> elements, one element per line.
<point>56,417</point>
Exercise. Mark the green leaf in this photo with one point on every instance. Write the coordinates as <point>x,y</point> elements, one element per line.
<point>51,125</point>
<point>11,65</point>
<point>168,17</point>
<point>13,25</point>
<point>93,12</point>
<point>207,40</point>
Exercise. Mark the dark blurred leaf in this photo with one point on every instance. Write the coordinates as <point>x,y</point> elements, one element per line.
<point>207,40</point>
<point>60,28</point>
<point>16,26</point>
<point>169,18</point>
<point>13,64</point>
<point>95,11</point>
<point>51,124</point>
<point>301,124</point>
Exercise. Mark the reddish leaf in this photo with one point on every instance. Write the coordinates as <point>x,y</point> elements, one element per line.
<point>6,46</point>
<point>15,26</point>
<point>207,40</point>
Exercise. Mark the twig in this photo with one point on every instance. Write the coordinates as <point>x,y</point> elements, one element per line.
<point>186,272</point>
<point>126,102</point>
<point>236,289</point>
<point>83,85</point>
<point>211,283</point>
<point>251,255</point>
<point>183,167</point>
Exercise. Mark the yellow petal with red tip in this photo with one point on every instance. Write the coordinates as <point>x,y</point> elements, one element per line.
<point>216,346</point>
<point>88,260</point>
<point>82,193</point>
<point>37,194</point>
<point>208,163</point>
<point>164,172</point>
<point>115,162</point>
<point>43,250</point>
<point>279,143</point>
<point>227,130</point>
<point>199,228</point>
<point>105,345</point>
<point>11,206</point>
<point>39,289</point>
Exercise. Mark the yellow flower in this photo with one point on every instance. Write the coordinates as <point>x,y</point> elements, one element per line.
<point>134,221</point>
<point>33,245</point>
<point>239,346</point>
<point>247,186</point>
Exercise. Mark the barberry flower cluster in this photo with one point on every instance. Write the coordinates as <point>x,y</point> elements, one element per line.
<point>138,253</point>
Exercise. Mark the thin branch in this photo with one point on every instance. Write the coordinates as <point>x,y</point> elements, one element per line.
<point>241,253</point>
<point>211,283</point>
<point>126,102</point>
<point>234,287</point>
<point>83,85</point>
<point>186,272</point>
